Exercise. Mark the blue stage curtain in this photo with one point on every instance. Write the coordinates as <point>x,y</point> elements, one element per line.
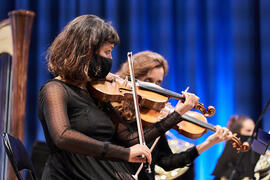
<point>219,48</point>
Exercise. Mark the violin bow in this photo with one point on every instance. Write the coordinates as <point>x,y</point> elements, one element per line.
<point>136,103</point>
<point>141,166</point>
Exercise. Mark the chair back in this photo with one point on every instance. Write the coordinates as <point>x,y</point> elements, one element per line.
<point>17,155</point>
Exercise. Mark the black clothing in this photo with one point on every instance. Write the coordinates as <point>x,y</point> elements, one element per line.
<point>77,129</point>
<point>163,156</point>
<point>189,174</point>
<point>228,160</point>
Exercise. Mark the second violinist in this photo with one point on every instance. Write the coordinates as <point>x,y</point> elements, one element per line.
<point>152,67</point>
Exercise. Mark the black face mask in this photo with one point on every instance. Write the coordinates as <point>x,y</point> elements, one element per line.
<point>99,67</point>
<point>243,138</point>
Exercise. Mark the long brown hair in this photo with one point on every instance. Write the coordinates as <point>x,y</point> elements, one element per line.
<point>143,62</point>
<point>70,53</point>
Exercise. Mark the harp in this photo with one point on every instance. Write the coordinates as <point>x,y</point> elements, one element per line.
<point>15,34</point>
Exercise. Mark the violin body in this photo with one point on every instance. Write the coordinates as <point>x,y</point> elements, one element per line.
<point>121,90</point>
<point>191,130</point>
<point>185,128</point>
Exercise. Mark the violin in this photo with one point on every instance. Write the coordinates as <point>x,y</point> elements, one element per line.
<point>150,95</point>
<point>193,125</point>
<point>152,100</point>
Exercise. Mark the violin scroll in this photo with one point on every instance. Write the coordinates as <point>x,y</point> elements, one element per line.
<point>238,145</point>
<point>207,113</point>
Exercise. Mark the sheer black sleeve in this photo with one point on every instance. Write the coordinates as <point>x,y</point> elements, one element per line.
<point>53,101</point>
<point>169,161</point>
<point>127,133</point>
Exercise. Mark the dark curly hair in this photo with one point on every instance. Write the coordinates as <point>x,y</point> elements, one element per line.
<point>72,50</point>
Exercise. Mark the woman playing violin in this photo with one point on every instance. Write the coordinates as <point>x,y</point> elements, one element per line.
<point>152,67</point>
<point>78,130</point>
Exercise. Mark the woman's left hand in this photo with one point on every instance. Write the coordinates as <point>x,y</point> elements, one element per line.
<point>221,134</point>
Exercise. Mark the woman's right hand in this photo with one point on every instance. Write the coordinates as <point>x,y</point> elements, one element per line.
<point>190,101</point>
<point>136,153</point>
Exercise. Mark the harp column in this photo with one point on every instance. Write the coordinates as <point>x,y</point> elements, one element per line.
<point>21,25</point>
